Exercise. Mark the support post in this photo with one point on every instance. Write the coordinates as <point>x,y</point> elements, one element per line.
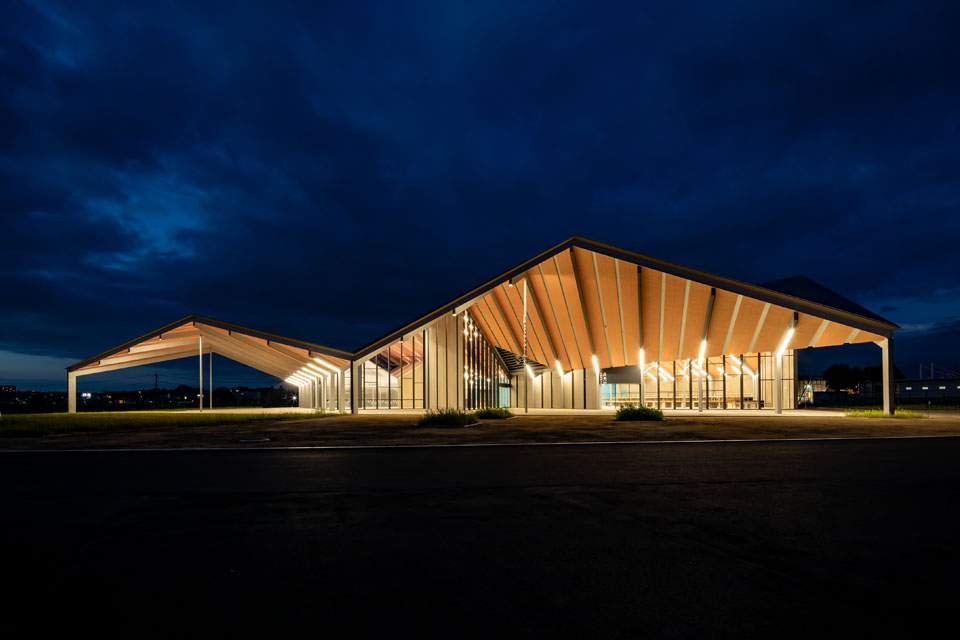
<point>700,387</point>
<point>355,387</point>
<point>71,392</point>
<point>526,383</point>
<point>341,391</point>
<point>778,383</point>
<point>201,374</point>
<point>210,377</point>
<point>778,363</point>
<point>886,349</point>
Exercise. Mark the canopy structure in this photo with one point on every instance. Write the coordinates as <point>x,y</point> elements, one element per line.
<point>584,306</point>
<point>316,369</point>
<point>562,321</point>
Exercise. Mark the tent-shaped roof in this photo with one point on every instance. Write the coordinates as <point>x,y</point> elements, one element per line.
<point>595,305</point>
<point>276,355</point>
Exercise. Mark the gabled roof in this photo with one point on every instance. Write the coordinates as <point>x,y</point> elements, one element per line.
<point>801,286</point>
<point>834,308</point>
<point>266,351</point>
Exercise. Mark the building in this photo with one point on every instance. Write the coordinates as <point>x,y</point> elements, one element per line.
<point>583,325</point>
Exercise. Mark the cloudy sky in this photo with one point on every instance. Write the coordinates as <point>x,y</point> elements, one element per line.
<point>327,171</point>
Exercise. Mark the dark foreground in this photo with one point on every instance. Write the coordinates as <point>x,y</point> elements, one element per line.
<point>610,540</point>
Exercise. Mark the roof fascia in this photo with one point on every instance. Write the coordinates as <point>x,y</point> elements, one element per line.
<point>462,301</point>
<point>763,294</point>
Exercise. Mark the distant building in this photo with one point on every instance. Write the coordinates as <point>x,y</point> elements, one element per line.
<point>926,389</point>
<point>8,388</point>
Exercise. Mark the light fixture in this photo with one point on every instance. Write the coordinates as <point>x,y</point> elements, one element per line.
<point>559,368</point>
<point>326,365</point>
<point>641,359</point>
<point>786,341</point>
<point>735,359</point>
<point>596,364</point>
<point>530,371</point>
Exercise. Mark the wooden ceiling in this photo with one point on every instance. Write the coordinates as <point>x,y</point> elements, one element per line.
<point>583,303</point>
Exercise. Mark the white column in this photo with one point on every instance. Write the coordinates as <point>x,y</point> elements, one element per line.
<point>886,349</point>
<point>778,382</point>
<point>201,374</point>
<point>71,392</point>
<point>210,377</point>
<point>355,387</point>
<point>341,390</point>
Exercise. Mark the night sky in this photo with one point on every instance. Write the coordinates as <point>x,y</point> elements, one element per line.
<point>330,172</point>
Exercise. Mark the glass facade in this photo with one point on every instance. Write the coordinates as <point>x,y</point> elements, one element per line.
<point>729,382</point>
<point>483,375</point>
<point>395,378</point>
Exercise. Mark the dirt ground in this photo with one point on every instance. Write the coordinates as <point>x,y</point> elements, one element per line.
<point>389,430</point>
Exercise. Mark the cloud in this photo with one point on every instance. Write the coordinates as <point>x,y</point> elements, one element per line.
<point>329,172</point>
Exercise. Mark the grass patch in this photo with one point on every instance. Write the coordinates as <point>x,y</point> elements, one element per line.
<point>46,424</point>
<point>493,414</point>
<point>631,412</point>
<point>877,413</point>
<point>447,418</point>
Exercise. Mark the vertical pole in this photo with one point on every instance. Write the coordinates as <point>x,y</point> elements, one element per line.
<point>526,382</point>
<point>210,377</point>
<point>886,349</point>
<point>658,385</point>
<point>201,374</point>
<point>673,405</point>
<point>743,363</point>
<point>778,383</point>
<point>700,387</point>
<point>355,387</point>
<point>723,377</point>
<point>71,392</point>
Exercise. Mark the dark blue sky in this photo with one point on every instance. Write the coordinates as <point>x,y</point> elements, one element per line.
<point>329,172</point>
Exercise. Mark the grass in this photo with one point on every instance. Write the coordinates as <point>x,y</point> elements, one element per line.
<point>447,418</point>
<point>877,413</point>
<point>46,424</point>
<point>631,412</point>
<point>493,414</point>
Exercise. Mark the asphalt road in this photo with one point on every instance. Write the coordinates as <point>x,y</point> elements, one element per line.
<point>724,539</point>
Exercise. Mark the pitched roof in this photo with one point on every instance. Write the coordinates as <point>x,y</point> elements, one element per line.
<point>801,286</point>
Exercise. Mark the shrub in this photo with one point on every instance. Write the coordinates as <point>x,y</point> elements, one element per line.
<point>631,412</point>
<point>877,413</point>
<point>493,414</point>
<point>447,418</point>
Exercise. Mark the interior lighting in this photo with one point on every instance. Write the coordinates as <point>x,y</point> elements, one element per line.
<point>530,371</point>
<point>641,360</point>
<point>326,365</point>
<point>596,364</point>
<point>559,368</point>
